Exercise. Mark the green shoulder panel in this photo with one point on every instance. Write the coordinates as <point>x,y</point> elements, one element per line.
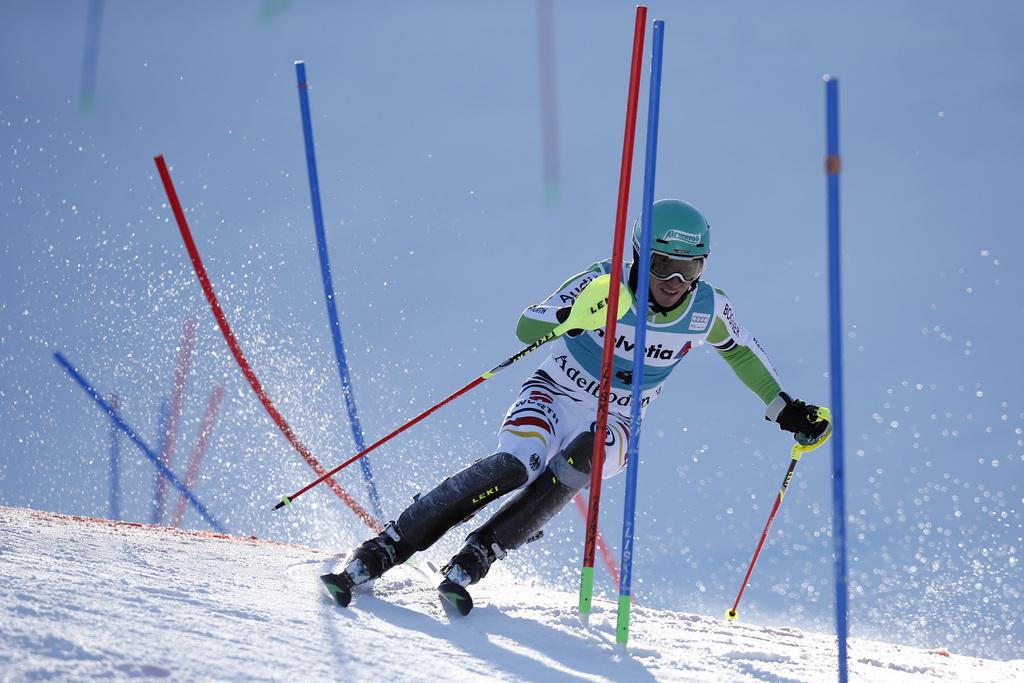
<point>718,333</point>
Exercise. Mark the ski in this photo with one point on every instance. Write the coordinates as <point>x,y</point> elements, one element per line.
<point>339,586</point>
<point>455,595</point>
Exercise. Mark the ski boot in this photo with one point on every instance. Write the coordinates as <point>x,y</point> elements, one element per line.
<point>466,568</point>
<point>368,562</point>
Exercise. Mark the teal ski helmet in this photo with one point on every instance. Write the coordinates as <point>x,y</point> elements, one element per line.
<point>678,230</point>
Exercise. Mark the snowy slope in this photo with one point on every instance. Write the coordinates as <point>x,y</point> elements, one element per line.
<point>83,598</point>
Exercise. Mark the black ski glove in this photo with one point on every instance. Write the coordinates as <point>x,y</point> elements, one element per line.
<point>562,314</point>
<point>793,415</point>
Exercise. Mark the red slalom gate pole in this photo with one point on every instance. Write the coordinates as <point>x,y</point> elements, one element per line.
<point>205,429</point>
<point>608,355</point>
<point>548,99</point>
<point>181,372</point>
<point>236,350</point>
<point>602,547</point>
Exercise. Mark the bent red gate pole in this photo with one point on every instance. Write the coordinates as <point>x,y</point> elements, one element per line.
<point>194,462</point>
<point>236,350</point>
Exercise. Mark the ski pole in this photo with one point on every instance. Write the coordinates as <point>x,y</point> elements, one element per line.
<point>588,313</point>
<point>799,449</point>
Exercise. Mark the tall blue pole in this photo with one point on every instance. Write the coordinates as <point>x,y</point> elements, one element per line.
<point>325,271</point>
<point>115,417</point>
<point>640,348</point>
<point>832,168</point>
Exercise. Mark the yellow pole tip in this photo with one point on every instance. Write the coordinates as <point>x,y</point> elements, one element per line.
<point>731,615</point>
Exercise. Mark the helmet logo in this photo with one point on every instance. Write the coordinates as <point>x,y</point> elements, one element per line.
<point>680,236</point>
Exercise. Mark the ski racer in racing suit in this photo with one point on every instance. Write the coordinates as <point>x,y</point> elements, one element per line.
<point>545,443</point>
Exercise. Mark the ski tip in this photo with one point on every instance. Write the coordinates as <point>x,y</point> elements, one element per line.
<point>731,615</point>
<point>456,596</point>
<point>339,588</point>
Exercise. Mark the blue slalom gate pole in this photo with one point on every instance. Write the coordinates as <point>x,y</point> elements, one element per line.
<point>832,168</point>
<point>137,440</point>
<point>639,350</point>
<point>157,508</point>
<point>115,464</point>
<point>325,271</point>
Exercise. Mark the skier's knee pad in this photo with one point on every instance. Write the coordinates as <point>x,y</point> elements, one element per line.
<point>458,497</point>
<point>531,508</point>
<point>572,464</point>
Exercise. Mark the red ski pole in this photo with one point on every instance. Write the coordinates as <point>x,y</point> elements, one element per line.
<point>799,449</point>
<point>587,313</point>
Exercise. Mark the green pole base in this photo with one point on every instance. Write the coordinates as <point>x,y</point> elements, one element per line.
<point>586,594</point>
<point>622,625</point>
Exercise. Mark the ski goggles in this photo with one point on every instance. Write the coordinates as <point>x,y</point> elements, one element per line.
<point>664,267</point>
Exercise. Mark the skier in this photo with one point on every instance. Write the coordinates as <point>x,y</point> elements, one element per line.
<point>546,440</point>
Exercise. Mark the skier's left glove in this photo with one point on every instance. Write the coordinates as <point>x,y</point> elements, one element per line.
<point>793,415</point>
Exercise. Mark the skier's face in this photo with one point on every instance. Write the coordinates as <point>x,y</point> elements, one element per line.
<point>667,293</point>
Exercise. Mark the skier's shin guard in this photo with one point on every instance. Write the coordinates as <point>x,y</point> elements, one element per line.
<point>528,511</point>
<point>459,497</point>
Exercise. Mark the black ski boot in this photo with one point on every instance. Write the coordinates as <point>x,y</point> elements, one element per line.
<point>368,562</point>
<point>451,502</point>
<point>466,568</point>
<point>518,521</point>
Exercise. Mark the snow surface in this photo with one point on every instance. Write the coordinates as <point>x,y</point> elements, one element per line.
<point>86,598</point>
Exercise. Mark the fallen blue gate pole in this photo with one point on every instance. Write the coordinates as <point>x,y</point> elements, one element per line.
<point>137,440</point>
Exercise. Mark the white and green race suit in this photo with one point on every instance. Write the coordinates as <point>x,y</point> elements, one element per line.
<point>559,401</point>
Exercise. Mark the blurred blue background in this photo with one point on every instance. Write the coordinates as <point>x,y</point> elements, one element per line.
<point>428,120</point>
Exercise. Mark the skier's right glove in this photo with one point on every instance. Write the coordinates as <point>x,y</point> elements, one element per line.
<point>562,314</point>
<point>793,415</point>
